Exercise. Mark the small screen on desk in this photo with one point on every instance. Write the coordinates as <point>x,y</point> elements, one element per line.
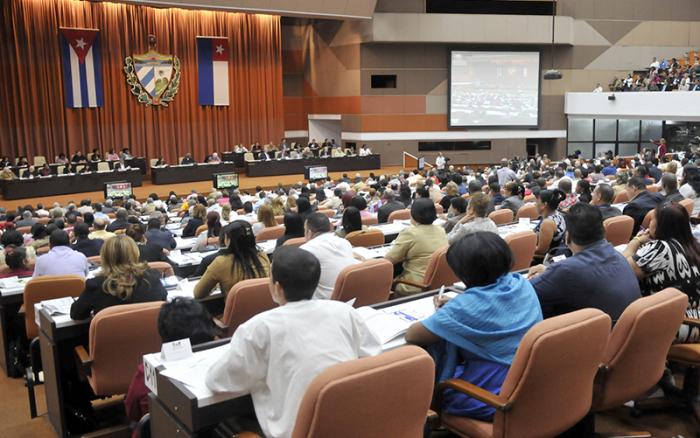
<point>226,180</point>
<point>121,189</point>
<point>317,172</point>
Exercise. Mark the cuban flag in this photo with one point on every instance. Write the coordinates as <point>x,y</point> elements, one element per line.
<point>82,68</point>
<point>212,60</point>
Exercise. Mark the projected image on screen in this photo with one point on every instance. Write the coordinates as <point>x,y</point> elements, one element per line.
<point>494,88</point>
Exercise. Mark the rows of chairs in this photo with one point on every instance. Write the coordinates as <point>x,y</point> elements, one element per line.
<point>566,369</point>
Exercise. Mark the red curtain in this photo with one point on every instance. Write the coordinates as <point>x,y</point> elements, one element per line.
<point>35,121</point>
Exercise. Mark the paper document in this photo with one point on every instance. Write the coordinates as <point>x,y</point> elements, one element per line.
<point>391,322</point>
<point>193,370</point>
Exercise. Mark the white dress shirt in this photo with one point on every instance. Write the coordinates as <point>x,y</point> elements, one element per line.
<point>335,254</point>
<point>365,152</point>
<point>275,355</point>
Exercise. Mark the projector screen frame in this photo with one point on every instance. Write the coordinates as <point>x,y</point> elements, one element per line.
<point>524,49</point>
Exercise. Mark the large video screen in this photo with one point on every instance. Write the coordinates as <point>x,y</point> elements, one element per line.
<point>118,189</point>
<point>225,180</point>
<point>494,88</point>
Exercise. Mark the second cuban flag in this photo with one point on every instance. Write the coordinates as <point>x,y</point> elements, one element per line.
<point>212,60</point>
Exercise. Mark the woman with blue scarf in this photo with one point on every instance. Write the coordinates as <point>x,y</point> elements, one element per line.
<point>475,335</point>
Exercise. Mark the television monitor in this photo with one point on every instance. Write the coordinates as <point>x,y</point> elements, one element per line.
<point>494,88</point>
<point>226,180</point>
<point>313,173</point>
<point>117,189</point>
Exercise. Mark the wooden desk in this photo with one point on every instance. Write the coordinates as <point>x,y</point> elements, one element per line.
<point>62,385</point>
<point>297,166</point>
<point>66,184</point>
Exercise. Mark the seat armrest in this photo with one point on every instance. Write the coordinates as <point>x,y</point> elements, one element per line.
<point>476,392</point>
<point>691,321</point>
<point>84,359</point>
<point>420,286</point>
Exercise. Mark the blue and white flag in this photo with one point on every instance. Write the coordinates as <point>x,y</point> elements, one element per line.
<point>82,68</point>
<point>212,61</point>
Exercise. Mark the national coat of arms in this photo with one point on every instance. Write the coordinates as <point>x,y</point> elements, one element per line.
<point>153,78</point>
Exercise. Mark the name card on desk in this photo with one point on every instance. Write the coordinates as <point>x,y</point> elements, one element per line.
<point>176,350</point>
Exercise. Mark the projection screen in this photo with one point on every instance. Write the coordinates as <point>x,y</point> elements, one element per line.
<point>494,88</point>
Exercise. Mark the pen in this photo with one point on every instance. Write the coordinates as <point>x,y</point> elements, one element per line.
<point>442,292</point>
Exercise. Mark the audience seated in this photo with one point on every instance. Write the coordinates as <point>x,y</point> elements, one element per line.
<point>390,205</point>
<point>602,197</point>
<point>669,188</point>
<point>475,219</point>
<point>416,244</point>
<point>334,253</point>
<point>266,218</point>
<point>596,275</point>
<point>160,236</point>
<point>196,220</point>
<point>293,228</point>
<point>513,193</point>
<point>148,251</point>
<point>550,231</point>
<point>17,262</point>
<point>99,230</point>
<point>456,212</point>
<point>122,280</point>
<point>120,222</point>
<point>668,255</point>
<point>641,201</point>
<point>275,355</point>
<point>240,260</point>
<point>690,186</point>
<point>482,327</point>
<point>351,223</point>
<point>89,247</point>
<point>61,259</point>
<point>209,239</point>
<point>181,318</point>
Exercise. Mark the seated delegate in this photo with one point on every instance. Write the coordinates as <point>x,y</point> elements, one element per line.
<point>474,336</point>
<point>415,245</point>
<point>596,276</point>
<point>122,280</point>
<point>276,355</point>
<point>241,260</point>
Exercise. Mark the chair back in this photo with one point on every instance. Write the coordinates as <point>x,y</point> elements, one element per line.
<point>44,220</point>
<point>502,216</point>
<point>246,299</point>
<point>153,162</point>
<point>523,245</point>
<point>47,288</point>
<point>248,156</point>
<point>647,218</point>
<point>368,282</point>
<point>119,337</point>
<point>378,396</point>
<point>529,198</point>
<point>297,241</point>
<point>366,238</point>
<point>24,230</point>
<point>279,219</point>
<point>399,215</point>
<point>528,210</point>
<point>270,233</point>
<point>618,229</point>
<point>165,269</point>
<point>550,382</point>
<point>103,166</point>
<point>438,272</point>
<point>39,160</point>
<point>688,204</point>
<point>328,212</point>
<point>635,356</point>
<point>370,220</point>
<point>60,169</point>
<point>621,198</point>
<point>201,229</point>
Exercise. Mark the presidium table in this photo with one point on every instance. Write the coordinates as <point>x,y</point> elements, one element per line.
<point>66,184</point>
<point>189,172</point>
<point>297,166</point>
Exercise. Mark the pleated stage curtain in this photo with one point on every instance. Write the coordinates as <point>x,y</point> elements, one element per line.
<point>34,119</point>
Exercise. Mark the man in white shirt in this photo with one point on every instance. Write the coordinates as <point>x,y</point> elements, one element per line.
<point>364,151</point>
<point>275,355</point>
<point>334,253</point>
<point>440,161</point>
<point>505,173</point>
<point>61,259</point>
<point>598,88</point>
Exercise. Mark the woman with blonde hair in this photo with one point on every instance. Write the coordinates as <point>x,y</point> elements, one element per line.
<point>277,206</point>
<point>199,214</point>
<point>226,214</point>
<point>123,280</point>
<point>291,205</point>
<point>266,219</point>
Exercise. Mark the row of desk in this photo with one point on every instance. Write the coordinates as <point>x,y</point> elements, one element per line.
<point>297,166</point>
<point>66,184</point>
<point>136,162</point>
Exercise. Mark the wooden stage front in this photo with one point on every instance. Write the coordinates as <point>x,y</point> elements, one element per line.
<point>246,184</point>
